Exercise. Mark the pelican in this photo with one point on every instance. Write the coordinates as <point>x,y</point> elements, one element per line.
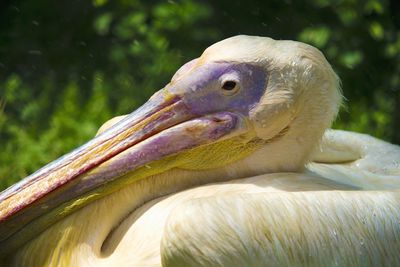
<point>232,163</point>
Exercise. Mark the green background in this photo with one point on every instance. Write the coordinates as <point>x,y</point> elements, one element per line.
<point>68,66</point>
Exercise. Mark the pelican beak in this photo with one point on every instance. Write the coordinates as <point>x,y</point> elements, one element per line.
<point>162,128</point>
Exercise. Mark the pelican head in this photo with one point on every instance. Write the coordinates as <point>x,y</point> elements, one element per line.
<point>243,97</point>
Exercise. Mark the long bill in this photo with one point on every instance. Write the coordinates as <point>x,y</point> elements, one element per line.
<point>162,127</point>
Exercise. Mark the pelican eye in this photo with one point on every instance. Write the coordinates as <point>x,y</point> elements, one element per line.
<point>229,85</point>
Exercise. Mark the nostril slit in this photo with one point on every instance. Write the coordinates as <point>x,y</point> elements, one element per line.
<point>217,119</point>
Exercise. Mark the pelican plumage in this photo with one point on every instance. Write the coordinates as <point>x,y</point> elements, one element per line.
<point>231,164</point>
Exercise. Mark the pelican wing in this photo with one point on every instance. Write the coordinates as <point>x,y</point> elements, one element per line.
<point>314,228</point>
<point>358,160</point>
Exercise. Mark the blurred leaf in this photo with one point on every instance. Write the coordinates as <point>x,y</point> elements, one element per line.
<point>99,3</point>
<point>393,49</point>
<point>348,15</point>
<point>351,59</point>
<point>376,30</point>
<point>11,87</point>
<point>374,6</point>
<point>102,23</point>
<point>317,36</point>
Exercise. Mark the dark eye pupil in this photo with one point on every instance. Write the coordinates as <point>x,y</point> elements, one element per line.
<point>229,85</point>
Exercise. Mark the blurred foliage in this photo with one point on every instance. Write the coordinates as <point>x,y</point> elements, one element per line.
<point>68,66</point>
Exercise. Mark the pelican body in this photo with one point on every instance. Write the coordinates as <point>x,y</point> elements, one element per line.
<point>230,164</point>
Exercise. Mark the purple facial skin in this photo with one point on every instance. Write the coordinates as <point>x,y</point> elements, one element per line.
<point>159,128</point>
<point>201,90</point>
